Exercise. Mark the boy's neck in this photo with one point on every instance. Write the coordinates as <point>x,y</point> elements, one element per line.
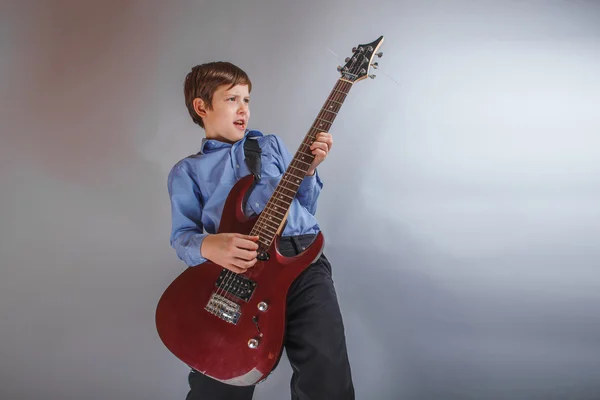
<point>220,138</point>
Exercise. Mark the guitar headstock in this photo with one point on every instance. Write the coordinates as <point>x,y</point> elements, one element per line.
<point>358,66</point>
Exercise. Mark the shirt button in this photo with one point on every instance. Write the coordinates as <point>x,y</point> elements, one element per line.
<point>237,165</point>
<point>256,204</point>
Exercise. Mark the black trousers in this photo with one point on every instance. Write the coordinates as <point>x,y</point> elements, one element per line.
<point>315,342</point>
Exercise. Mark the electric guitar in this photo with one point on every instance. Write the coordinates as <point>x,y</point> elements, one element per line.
<point>231,326</point>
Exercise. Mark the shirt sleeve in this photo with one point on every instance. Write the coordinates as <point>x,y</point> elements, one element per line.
<point>186,213</point>
<point>311,186</point>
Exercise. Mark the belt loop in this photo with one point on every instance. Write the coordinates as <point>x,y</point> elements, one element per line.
<point>294,244</point>
<point>297,245</point>
<point>300,240</point>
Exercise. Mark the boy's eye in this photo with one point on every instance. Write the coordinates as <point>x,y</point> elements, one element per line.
<point>233,99</point>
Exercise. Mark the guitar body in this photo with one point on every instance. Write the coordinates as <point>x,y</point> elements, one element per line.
<point>230,326</point>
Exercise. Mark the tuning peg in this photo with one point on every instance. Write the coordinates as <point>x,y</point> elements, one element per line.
<point>339,68</point>
<point>375,65</point>
<point>354,49</point>
<point>380,54</point>
<point>372,76</point>
<point>347,59</point>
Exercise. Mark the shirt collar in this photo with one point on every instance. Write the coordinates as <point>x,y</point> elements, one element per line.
<point>210,145</point>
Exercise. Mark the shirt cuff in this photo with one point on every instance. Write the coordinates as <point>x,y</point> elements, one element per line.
<point>308,183</point>
<point>193,254</point>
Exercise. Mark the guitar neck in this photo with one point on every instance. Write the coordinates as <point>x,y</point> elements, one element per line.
<point>275,212</point>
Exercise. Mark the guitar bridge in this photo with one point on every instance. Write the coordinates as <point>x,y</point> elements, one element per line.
<point>223,308</point>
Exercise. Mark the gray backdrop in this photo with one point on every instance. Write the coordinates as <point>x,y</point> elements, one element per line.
<point>460,204</point>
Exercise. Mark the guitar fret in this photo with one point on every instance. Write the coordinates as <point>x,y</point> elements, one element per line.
<point>303,162</point>
<point>310,155</point>
<point>259,230</point>
<point>292,191</point>
<point>308,146</point>
<point>291,166</point>
<point>281,201</point>
<point>288,176</point>
<point>293,183</point>
<point>263,222</point>
<point>296,162</point>
<point>272,224</point>
<point>283,194</point>
<point>270,231</point>
<point>294,186</point>
<point>261,241</point>
<point>270,220</point>
<point>275,211</point>
<point>300,164</point>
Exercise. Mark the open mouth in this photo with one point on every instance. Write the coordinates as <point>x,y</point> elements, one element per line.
<point>240,124</point>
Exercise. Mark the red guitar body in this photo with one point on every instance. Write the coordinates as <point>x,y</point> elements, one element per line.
<point>239,339</point>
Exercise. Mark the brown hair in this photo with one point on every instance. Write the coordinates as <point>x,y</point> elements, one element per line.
<point>204,79</point>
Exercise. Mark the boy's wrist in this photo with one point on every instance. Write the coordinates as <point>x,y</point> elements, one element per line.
<point>205,247</point>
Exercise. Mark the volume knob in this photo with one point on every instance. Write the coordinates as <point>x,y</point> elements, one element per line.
<point>262,306</point>
<point>253,343</point>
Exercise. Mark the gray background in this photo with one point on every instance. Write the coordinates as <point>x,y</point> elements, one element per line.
<point>460,204</point>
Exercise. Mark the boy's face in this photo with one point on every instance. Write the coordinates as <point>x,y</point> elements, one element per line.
<point>228,119</point>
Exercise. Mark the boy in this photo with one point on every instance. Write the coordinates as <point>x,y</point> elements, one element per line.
<point>217,96</point>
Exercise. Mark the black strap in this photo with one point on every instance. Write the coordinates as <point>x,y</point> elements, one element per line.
<point>252,154</point>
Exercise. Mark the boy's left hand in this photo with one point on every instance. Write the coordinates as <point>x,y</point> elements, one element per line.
<point>320,148</point>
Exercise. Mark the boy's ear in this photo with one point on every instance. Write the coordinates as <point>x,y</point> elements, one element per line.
<point>199,107</point>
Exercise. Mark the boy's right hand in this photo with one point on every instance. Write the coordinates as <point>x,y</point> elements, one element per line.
<point>233,251</point>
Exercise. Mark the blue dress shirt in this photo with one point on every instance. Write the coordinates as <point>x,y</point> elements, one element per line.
<point>199,185</point>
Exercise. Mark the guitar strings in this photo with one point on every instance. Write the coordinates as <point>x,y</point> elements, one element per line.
<point>230,275</point>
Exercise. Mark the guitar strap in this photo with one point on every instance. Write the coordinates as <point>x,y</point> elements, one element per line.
<point>252,154</point>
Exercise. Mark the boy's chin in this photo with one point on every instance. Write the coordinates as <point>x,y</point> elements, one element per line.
<point>239,133</point>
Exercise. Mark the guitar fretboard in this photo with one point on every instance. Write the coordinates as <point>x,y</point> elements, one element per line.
<point>276,209</point>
